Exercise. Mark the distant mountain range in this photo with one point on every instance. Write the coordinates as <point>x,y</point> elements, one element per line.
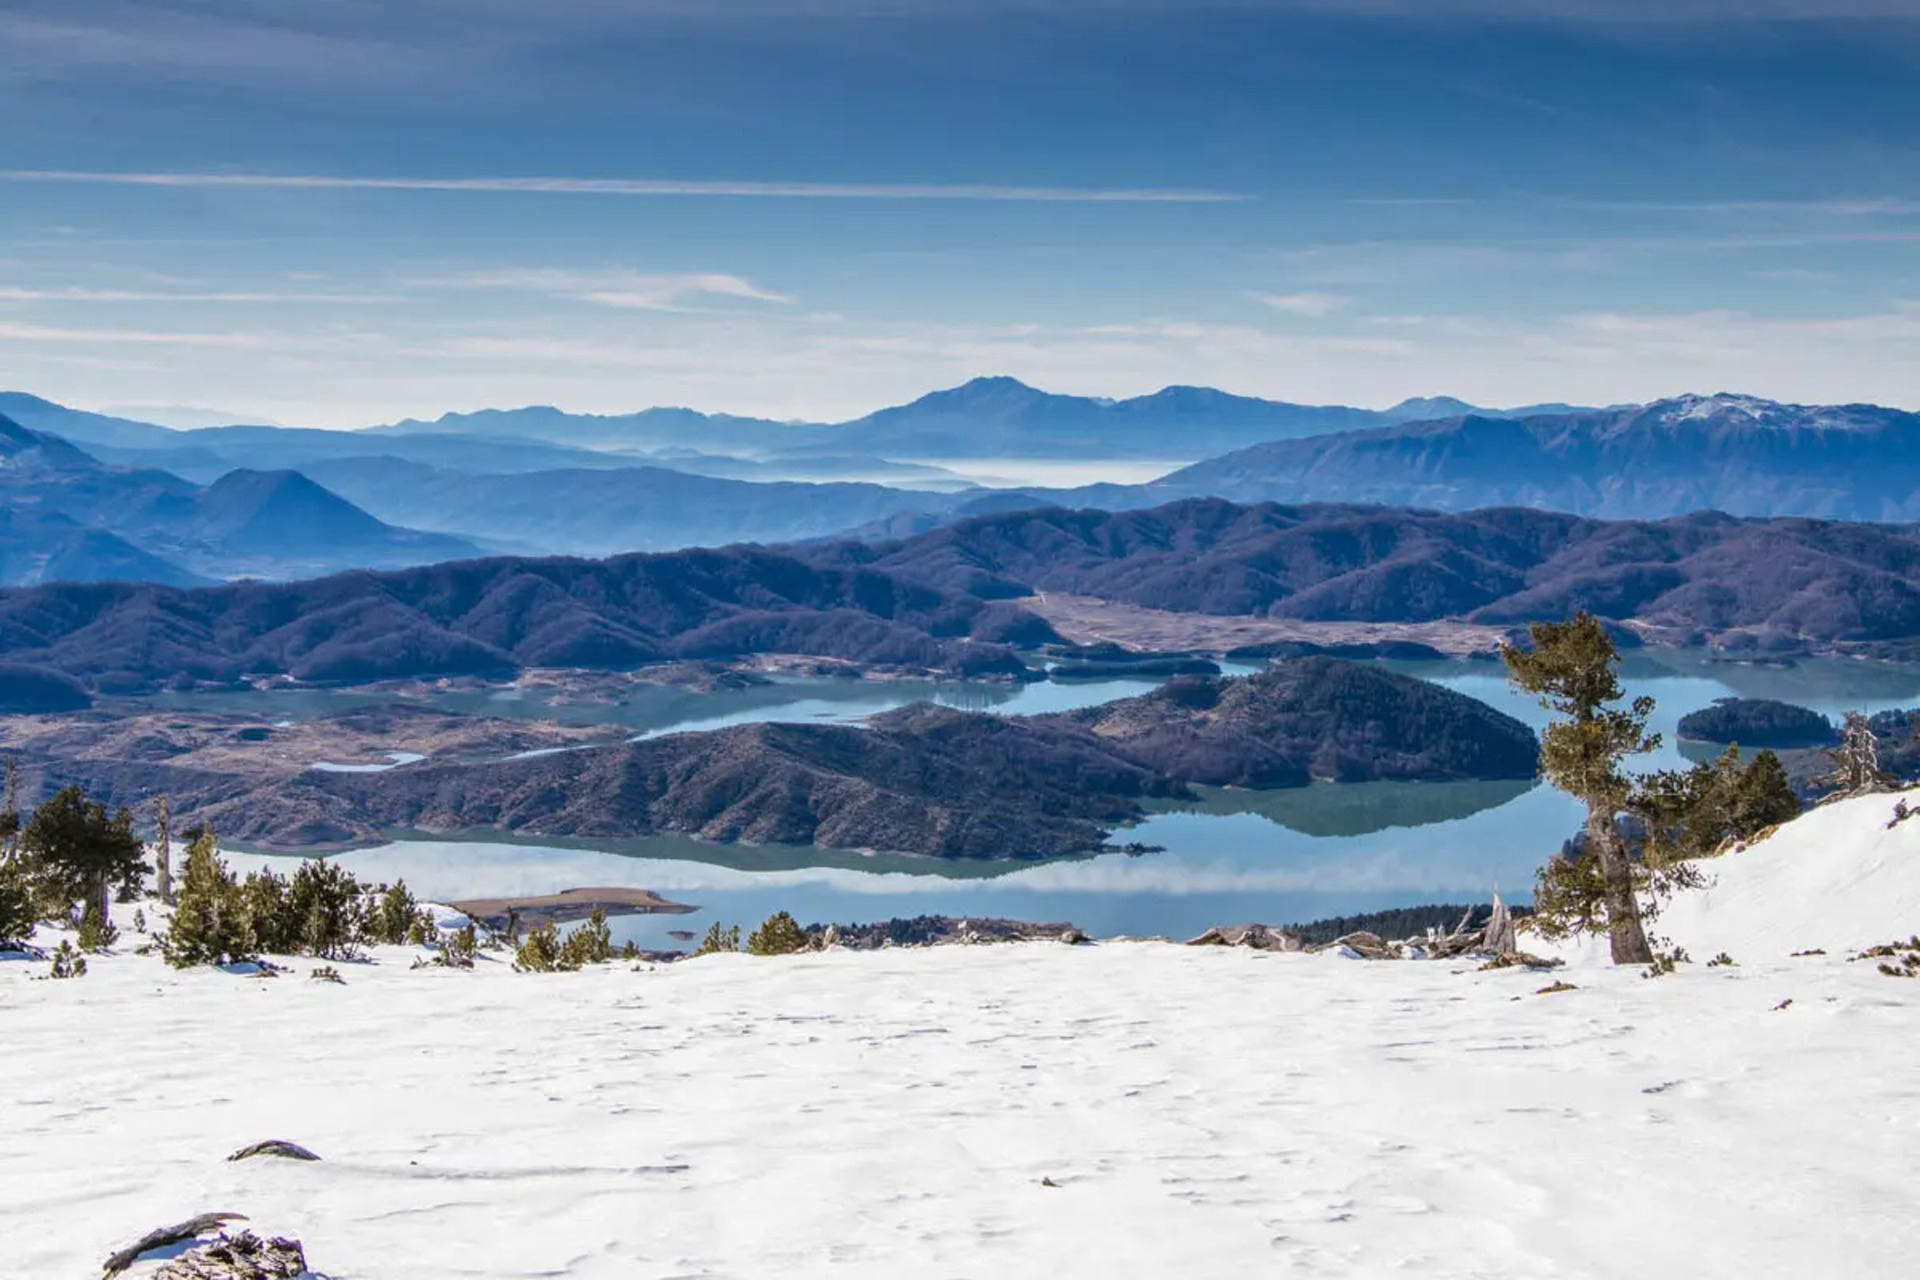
<point>1727,453</point>
<point>66,516</point>
<point>539,481</point>
<point>606,512</point>
<point>984,418</point>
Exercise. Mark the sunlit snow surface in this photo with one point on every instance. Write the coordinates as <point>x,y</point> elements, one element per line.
<point>892,1114</point>
<point>394,760</point>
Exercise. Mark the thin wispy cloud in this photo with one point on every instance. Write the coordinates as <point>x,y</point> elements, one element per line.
<point>12,294</point>
<point>624,289</point>
<point>1311,305</point>
<point>631,187</point>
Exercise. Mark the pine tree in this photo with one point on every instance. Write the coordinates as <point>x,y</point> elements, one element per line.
<point>780,935</point>
<point>16,885</point>
<point>210,924</point>
<point>540,952</point>
<point>395,916</point>
<point>326,900</point>
<point>97,933</point>
<point>16,903</point>
<point>67,963</point>
<point>266,901</point>
<point>1763,797</point>
<point>720,941</point>
<point>591,943</point>
<point>1573,668</point>
<point>80,853</point>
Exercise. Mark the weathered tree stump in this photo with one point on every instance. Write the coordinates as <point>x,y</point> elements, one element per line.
<point>161,1237</point>
<point>1258,937</point>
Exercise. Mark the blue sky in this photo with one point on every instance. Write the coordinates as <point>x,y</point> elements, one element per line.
<point>346,211</point>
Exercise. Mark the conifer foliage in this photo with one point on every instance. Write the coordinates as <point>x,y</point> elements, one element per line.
<point>1688,814</point>
<point>780,935</point>
<point>322,911</point>
<point>1574,669</point>
<point>79,853</point>
<point>210,924</point>
<point>544,951</point>
<point>539,951</point>
<point>16,886</point>
<point>720,940</point>
<point>326,901</point>
<point>1691,813</point>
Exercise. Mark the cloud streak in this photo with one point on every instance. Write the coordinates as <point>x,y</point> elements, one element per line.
<point>624,289</point>
<point>662,187</point>
<point>1311,305</point>
<point>11,294</point>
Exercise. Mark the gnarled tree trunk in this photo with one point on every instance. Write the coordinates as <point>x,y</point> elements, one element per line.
<point>1626,933</point>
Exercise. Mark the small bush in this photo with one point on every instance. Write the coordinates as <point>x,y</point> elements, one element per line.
<point>457,949</point>
<point>395,916</point>
<point>539,951</point>
<point>96,931</point>
<point>1721,961</point>
<point>327,973</point>
<point>1899,959</point>
<point>719,940</point>
<point>591,943</point>
<point>781,935</point>
<point>1664,963</point>
<point>68,963</point>
<point>139,920</point>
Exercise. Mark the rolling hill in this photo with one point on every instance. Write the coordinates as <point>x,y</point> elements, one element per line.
<point>1753,584</point>
<point>489,616</point>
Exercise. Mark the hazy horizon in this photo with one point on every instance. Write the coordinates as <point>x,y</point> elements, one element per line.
<point>195,417</point>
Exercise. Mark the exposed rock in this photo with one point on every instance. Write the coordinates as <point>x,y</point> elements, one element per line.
<point>1522,960</point>
<point>242,1257</point>
<point>274,1147</point>
<point>933,931</point>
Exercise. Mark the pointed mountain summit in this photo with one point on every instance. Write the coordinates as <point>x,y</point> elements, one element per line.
<point>278,511</point>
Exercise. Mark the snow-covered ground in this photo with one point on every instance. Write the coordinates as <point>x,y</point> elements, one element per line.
<point>1120,1110</point>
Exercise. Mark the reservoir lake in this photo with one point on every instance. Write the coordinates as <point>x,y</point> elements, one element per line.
<point>1277,857</point>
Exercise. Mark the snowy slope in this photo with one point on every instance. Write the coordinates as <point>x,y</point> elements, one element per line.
<point>894,1114</point>
<point>1835,877</point>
